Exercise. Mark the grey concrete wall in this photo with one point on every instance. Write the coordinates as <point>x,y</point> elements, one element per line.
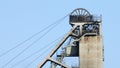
<point>90,52</point>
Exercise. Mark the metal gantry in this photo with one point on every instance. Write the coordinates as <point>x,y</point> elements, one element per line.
<point>86,43</point>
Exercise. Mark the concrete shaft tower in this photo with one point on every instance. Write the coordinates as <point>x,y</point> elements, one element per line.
<point>86,43</point>
<point>90,44</point>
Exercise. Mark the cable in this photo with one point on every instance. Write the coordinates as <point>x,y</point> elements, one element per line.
<point>30,45</point>
<point>35,59</point>
<point>32,36</point>
<point>48,46</point>
<point>26,48</point>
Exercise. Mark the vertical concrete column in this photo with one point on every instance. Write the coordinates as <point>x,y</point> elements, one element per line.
<point>90,52</point>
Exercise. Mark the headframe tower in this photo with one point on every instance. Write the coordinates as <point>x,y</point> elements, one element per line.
<point>86,35</point>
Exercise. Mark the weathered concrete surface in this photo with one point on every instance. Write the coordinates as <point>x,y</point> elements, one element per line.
<point>91,52</point>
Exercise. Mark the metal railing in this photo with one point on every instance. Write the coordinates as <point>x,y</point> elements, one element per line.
<point>81,18</point>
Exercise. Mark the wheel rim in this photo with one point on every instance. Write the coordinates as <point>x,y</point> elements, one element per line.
<point>80,12</point>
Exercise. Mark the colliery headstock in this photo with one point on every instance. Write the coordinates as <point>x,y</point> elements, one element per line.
<point>85,42</point>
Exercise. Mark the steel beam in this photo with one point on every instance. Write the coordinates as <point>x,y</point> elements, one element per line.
<point>57,47</point>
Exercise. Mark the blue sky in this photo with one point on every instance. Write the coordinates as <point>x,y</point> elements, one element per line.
<point>19,19</point>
